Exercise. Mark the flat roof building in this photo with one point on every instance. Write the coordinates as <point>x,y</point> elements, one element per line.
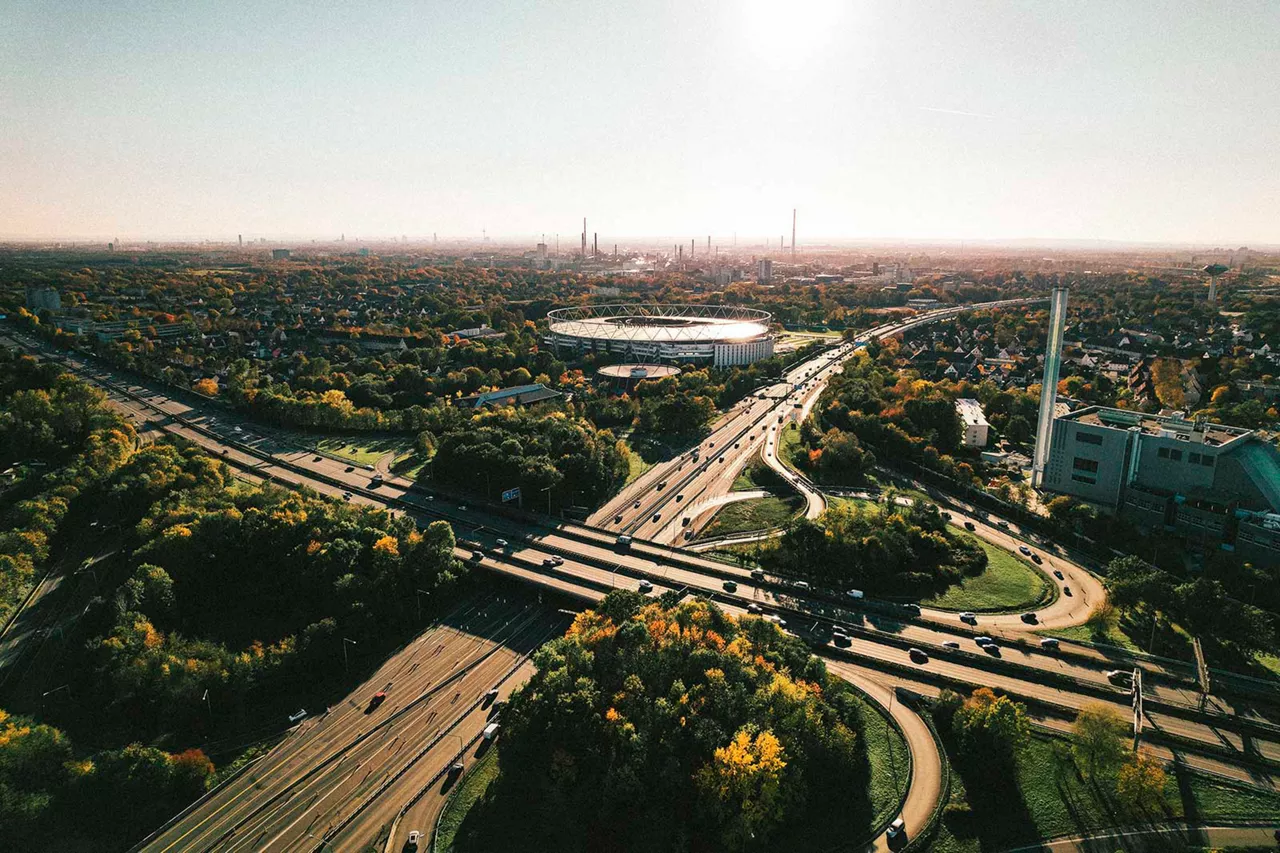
<point>974,422</point>
<point>1216,485</point>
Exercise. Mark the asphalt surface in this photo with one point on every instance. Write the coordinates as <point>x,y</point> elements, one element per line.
<point>593,564</point>
<point>335,777</point>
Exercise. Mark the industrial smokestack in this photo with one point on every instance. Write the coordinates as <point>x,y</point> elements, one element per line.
<point>708,244</point>
<point>595,244</point>
<point>1049,384</point>
<point>584,236</point>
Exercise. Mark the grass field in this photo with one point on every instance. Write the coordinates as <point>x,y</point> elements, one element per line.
<point>888,760</point>
<point>463,797</point>
<point>1055,801</point>
<point>363,450</point>
<point>636,466</point>
<point>788,446</point>
<point>1009,583</point>
<point>755,514</point>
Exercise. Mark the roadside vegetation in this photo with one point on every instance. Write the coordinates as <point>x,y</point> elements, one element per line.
<point>882,549</point>
<point>1007,583</point>
<point>1034,787</point>
<point>754,514</point>
<point>663,726</point>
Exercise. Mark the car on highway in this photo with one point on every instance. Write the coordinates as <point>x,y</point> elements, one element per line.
<point>645,586</point>
<point>983,640</point>
<point>501,543</point>
<point>1120,678</point>
<point>346,496</point>
<point>1024,550</point>
<point>636,505</point>
<point>896,830</point>
<point>730,586</point>
<point>411,846</point>
<point>656,516</point>
<point>911,609</point>
<point>950,644</point>
<point>917,655</point>
<point>968,525</point>
<point>1066,590</point>
<point>462,507</point>
<point>757,574</point>
<point>349,468</point>
<point>969,618</point>
<point>842,640</point>
<point>377,699</point>
<point>318,459</point>
<point>1035,558</point>
<point>548,563</point>
<point>662,484</point>
<point>1002,524</point>
<point>455,769</point>
<point>1058,574</point>
<point>755,609</point>
<point>1049,644</point>
<point>617,519</point>
<point>557,559</point>
<point>679,498</point>
<point>1030,618</point>
<point>854,593</point>
<point>298,715</point>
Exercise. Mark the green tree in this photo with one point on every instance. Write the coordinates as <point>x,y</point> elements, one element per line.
<point>1098,738</point>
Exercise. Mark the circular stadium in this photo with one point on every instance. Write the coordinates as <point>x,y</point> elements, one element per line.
<point>718,335</point>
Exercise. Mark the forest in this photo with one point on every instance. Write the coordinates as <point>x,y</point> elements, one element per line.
<point>664,726</point>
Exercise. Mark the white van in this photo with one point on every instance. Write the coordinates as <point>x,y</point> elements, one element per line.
<point>491,731</point>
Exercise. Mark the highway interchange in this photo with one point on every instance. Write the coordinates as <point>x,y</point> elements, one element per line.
<point>331,792</point>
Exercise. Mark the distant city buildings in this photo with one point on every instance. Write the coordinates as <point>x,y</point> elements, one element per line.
<point>974,422</point>
<point>43,299</point>
<point>764,271</point>
<point>280,254</point>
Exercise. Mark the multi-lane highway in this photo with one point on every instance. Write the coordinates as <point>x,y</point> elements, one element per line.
<point>591,563</point>
<point>344,773</point>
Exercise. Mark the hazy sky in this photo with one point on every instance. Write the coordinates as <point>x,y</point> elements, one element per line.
<point>967,119</point>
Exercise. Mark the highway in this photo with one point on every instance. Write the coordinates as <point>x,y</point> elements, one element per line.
<point>331,776</point>
<point>651,507</point>
<point>592,564</point>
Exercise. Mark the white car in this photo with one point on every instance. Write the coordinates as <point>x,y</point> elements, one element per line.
<point>414,838</point>
<point>502,543</point>
<point>896,830</point>
<point>1024,550</point>
<point>971,618</point>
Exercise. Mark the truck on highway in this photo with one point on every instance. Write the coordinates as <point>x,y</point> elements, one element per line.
<point>491,731</point>
<point>376,481</point>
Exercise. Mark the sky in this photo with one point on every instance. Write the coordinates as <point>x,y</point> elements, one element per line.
<point>1128,121</point>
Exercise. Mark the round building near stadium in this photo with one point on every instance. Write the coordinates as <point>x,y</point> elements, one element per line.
<point>716,335</point>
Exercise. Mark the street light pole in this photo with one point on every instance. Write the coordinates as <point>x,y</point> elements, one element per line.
<point>208,705</point>
<point>419,595</point>
<point>345,667</point>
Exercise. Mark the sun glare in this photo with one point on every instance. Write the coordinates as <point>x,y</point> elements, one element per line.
<point>788,33</point>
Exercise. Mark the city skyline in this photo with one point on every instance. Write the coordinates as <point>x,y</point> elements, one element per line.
<point>987,123</point>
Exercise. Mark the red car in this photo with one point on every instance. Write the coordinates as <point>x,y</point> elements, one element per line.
<point>378,699</point>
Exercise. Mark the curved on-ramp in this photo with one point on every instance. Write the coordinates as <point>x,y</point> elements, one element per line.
<point>925,786</point>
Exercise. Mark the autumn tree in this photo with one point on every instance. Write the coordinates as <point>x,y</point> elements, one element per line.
<point>1099,739</point>
<point>1141,782</point>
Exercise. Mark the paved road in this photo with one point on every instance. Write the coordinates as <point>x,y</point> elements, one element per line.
<point>1179,836</point>
<point>329,773</point>
<point>651,506</point>
<point>594,565</point>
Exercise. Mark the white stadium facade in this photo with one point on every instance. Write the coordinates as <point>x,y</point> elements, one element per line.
<point>718,335</point>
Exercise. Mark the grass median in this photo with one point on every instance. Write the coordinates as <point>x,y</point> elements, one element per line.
<point>1008,583</point>
<point>754,514</point>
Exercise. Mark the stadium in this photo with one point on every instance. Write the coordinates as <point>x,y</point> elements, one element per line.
<point>718,335</point>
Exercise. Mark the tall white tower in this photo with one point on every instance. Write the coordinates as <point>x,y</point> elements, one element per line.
<point>1049,385</point>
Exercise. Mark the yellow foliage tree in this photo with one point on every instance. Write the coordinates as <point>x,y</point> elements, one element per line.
<point>745,778</point>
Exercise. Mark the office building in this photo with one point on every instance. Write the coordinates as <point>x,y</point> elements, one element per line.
<point>1215,485</point>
